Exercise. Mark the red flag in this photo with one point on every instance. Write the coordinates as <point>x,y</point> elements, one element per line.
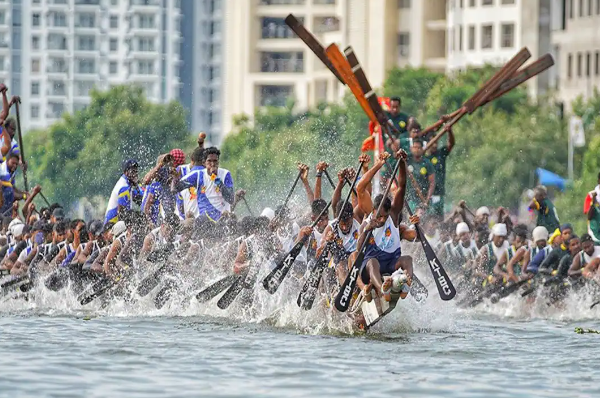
<point>368,144</point>
<point>587,204</point>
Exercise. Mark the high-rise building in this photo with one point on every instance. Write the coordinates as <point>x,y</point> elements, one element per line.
<point>492,31</point>
<point>576,27</point>
<point>267,64</point>
<point>52,52</point>
<point>201,68</point>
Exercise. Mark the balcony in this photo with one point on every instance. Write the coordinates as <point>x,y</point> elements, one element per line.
<point>91,5</point>
<point>282,2</point>
<point>282,66</point>
<point>57,72</point>
<point>143,6</point>
<point>324,2</point>
<point>326,25</point>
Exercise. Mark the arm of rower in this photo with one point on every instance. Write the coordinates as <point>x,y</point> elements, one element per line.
<point>590,268</point>
<point>481,259</point>
<point>498,267</point>
<point>241,259</point>
<point>451,141</point>
<point>148,205</point>
<point>151,175</point>
<point>364,198</point>
<point>59,258</point>
<point>575,269</point>
<point>549,261</point>
<point>337,195</point>
<point>328,230</point>
<point>111,256</point>
<point>398,201</point>
<point>98,263</point>
<point>227,189</point>
<point>431,179</point>
<point>318,194</point>
<point>146,247</point>
<point>590,213</point>
<point>309,192</point>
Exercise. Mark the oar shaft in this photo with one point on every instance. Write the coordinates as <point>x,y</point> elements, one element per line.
<point>329,179</point>
<point>248,207</point>
<point>45,199</point>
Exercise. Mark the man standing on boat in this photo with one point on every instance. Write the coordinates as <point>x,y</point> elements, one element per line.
<point>122,194</point>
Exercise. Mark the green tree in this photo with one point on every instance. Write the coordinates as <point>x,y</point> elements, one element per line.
<point>81,154</point>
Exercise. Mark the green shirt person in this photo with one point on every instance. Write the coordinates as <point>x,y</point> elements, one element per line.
<point>399,141</point>
<point>546,212</point>
<point>437,157</point>
<point>423,176</point>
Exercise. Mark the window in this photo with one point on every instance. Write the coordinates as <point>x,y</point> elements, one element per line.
<point>404,44</point>
<point>82,88</point>
<point>35,65</point>
<point>588,64</point>
<point>578,64</point>
<point>86,66</point>
<point>57,65</point>
<point>146,44</point>
<point>16,17</point>
<point>145,67</point>
<point>112,68</point>
<point>487,2</point>
<point>570,66</point>
<point>2,63</point>
<point>114,2</point>
<point>460,38</point>
<point>452,39</point>
<point>147,21</point>
<point>462,4</point>
<point>57,42</point>
<point>58,87</point>
<point>87,20</point>
<point>597,7</point>
<point>506,2</point>
<point>60,20</point>
<point>471,37</point>
<point>570,9</point>
<point>86,43</point>
<point>114,45</point>
<point>508,35</point>
<point>35,88</point>
<point>487,36</point>
<point>114,21</point>
<point>16,39</point>
<point>35,19</point>
<point>35,111</point>
<point>2,17</point>
<point>471,3</point>
<point>590,6</point>
<point>581,8</point>
<point>35,42</point>
<point>403,3</point>
<point>596,64</point>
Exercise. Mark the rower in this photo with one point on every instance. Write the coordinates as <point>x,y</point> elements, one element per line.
<point>187,200</point>
<point>123,193</point>
<point>501,267</point>
<point>584,257</point>
<point>383,254</point>
<point>526,254</point>
<point>490,253</point>
<point>466,249</point>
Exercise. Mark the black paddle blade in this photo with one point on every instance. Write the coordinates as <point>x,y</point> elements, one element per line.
<point>151,281</point>
<point>165,294</point>
<point>308,293</point>
<point>344,296</point>
<point>231,294</point>
<point>14,281</point>
<point>442,280</point>
<point>99,291</point>
<point>213,290</point>
<point>272,281</point>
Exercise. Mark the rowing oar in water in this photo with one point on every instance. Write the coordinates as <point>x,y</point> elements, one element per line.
<point>308,293</point>
<point>272,281</point>
<point>233,281</point>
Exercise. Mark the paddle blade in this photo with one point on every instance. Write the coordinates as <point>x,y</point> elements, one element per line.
<point>213,290</point>
<point>231,294</point>
<point>344,296</point>
<point>417,290</point>
<point>442,280</point>
<point>308,293</point>
<point>272,281</point>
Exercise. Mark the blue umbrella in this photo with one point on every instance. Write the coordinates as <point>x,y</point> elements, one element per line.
<point>550,179</point>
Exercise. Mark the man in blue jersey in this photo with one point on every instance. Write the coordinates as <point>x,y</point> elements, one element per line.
<point>214,186</point>
<point>7,179</point>
<point>122,194</point>
<point>187,200</point>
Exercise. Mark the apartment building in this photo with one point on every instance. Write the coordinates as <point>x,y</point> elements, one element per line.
<point>202,65</point>
<point>53,52</point>
<point>576,38</point>
<point>493,31</point>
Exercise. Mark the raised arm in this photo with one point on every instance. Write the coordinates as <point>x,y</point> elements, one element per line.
<point>304,178</point>
<point>398,201</point>
<point>364,198</point>
<point>451,141</point>
<point>321,167</point>
<point>337,193</point>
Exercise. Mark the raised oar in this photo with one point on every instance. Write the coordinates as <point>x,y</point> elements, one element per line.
<point>342,300</point>
<point>329,179</point>
<point>272,281</point>
<point>21,148</point>
<point>308,293</point>
<point>289,195</point>
<point>45,199</point>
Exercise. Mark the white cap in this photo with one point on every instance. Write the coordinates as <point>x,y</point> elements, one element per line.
<point>268,212</point>
<point>499,230</point>
<point>14,222</point>
<point>540,233</point>
<point>118,228</point>
<point>462,227</point>
<point>482,210</point>
<point>17,230</point>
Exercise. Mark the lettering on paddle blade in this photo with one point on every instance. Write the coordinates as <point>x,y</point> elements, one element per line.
<point>278,275</point>
<point>435,267</point>
<point>349,287</point>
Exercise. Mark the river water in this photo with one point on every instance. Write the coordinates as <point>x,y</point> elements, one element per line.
<point>51,348</point>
